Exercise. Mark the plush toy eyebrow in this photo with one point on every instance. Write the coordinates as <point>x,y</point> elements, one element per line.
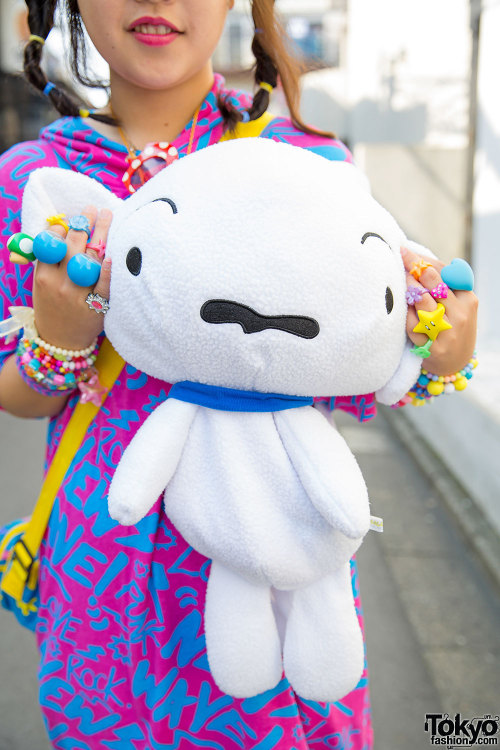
<point>373,234</point>
<point>165,200</point>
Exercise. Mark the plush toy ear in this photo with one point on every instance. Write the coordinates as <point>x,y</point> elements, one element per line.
<point>350,174</point>
<point>51,190</point>
<point>403,379</point>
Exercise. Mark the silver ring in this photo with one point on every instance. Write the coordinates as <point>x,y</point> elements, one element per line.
<point>97,303</point>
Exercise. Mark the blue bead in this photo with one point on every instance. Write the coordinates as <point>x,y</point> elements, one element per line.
<point>83,270</point>
<point>468,375</point>
<point>423,380</point>
<point>49,247</point>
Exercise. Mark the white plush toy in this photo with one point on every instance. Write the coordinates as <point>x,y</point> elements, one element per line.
<point>263,268</point>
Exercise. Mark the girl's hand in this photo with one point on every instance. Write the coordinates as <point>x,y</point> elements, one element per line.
<point>62,315</point>
<point>454,347</point>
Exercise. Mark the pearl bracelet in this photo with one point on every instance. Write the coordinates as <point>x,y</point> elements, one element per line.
<point>66,353</point>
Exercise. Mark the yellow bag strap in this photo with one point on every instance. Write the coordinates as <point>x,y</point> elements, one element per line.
<point>109,364</point>
<point>250,129</point>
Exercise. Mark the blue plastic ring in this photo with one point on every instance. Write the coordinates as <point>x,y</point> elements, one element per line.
<point>48,247</point>
<point>80,224</point>
<point>48,88</point>
<point>458,275</point>
<point>245,116</point>
<point>83,270</point>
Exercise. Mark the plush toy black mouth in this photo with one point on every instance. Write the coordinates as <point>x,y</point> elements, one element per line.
<point>225,311</point>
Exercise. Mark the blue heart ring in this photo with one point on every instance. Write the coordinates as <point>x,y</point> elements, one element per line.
<point>458,275</point>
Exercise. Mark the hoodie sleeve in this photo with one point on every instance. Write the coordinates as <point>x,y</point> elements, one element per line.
<point>282,129</point>
<point>16,165</point>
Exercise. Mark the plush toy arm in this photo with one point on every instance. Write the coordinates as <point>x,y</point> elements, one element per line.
<point>150,461</point>
<point>327,469</point>
<point>403,379</point>
<point>409,367</point>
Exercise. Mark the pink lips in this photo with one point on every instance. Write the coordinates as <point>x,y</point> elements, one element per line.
<point>156,38</point>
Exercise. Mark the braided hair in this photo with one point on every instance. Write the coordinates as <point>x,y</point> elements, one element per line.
<point>273,61</point>
<point>40,22</point>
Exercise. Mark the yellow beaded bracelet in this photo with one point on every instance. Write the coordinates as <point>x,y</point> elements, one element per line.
<point>429,385</point>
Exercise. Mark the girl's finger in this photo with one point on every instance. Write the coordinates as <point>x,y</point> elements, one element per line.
<point>57,229</point>
<point>102,286</point>
<point>411,321</point>
<point>430,279</point>
<point>77,239</point>
<point>100,235</point>
<point>425,303</point>
<point>410,258</point>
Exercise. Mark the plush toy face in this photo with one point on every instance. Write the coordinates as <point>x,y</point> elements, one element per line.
<point>259,266</point>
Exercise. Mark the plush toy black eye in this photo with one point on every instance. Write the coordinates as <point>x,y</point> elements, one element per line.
<point>134,261</point>
<point>389,300</point>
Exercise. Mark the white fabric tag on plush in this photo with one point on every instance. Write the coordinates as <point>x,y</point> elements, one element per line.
<point>376,524</point>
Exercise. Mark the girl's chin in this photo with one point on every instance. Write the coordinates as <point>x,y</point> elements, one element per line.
<point>154,76</point>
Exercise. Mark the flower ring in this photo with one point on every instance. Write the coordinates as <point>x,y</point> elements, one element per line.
<point>414,294</point>
<point>97,303</point>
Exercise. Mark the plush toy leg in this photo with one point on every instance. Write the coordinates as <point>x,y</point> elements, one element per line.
<point>243,645</point>
<point>323,649</point>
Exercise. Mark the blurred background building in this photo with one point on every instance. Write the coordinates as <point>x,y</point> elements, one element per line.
<point>411,88</point>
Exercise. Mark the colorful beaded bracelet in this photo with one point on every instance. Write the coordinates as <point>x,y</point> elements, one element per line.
<point>429,385</point>
<point>53,370</point>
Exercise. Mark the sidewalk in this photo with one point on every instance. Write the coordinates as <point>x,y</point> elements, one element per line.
<point>432,612</point>
<point>432,608</point>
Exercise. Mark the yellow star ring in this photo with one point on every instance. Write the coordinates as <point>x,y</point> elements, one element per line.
<point>57,219</point>
<point>432,323</point>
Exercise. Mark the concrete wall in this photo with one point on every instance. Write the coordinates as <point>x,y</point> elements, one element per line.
<point>424,188</point>
<point>486,223</point>
<point>408,70</point>
<point>401,104</point>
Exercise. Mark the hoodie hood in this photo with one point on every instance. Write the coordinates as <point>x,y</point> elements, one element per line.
<point>78,146</point>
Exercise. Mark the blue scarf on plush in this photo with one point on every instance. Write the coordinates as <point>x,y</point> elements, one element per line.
<point>232,399</point>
